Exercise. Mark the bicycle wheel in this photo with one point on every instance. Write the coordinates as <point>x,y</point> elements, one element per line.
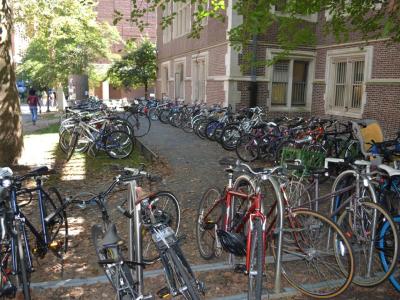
<point>230,136</point>
<point>72,145</point>
<point>153,114</point>
<point>164,116</point>
<point>362,224</point>
<point>201,129</point>
<point>118,144</point>
<point>247,148</point>
<point>182,275</point>
<point>239,205</point>
<point>311,247</point>
<point>120,276</point>
<point>385,241</point>
<point>141,124</point>
<point>209,218</point>
<point>165,207</point>
<point>280,147</point>
<point>296,194</point>
<point>255,274</point>
<point>122,125</point>
<point>23,276</point>
<point>57,227</point>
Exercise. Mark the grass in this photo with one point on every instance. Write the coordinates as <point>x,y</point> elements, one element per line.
<point>52,128</point>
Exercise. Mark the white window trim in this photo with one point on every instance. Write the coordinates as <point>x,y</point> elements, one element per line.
<point>178,61</point>
<point>313,18</point>
<point>196,57</point>
<point>166,64</point>
<point>166,32</point>
<point>331,55</point>
<point>175,34</point>
<point>295,55</point>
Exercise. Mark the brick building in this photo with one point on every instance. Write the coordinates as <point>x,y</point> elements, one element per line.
<point>350,80</point>
<point>127,30</point>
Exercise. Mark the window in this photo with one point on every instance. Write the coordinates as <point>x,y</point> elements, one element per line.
<point>206,5</point>
<point>182,20</point>
<point>167,30</point>
<point>347,71</point>
<point>348,84</point>
<point>289,83</point>
<point>199,79</point>
<point>179,81</point>
<point>164,80</point>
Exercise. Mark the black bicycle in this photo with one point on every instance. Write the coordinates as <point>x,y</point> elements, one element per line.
<point>52,236</point>
<point>158,221</point>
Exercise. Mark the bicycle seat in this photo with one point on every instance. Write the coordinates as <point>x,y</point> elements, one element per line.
<point>391,171</point>
<point>38,172</point>
<point>111,238</point>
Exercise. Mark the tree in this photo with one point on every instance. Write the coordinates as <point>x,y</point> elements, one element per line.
<point>68,40</point>
<point>137,67</point>
<point>11,140</point>
<point>372,18</point>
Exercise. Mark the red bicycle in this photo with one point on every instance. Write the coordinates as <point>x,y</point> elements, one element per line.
<point>240,221</point>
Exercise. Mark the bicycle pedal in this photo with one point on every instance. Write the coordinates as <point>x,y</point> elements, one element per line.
<point>240,268</point>
<point>164,293</point>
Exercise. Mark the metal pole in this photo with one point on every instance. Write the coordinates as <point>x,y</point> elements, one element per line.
<point>275,184</point>
<point>253,72</point>
<point>135,237</point>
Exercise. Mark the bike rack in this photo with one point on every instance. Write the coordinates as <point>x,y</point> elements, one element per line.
<point>135,239</point>
<point>275,184</point>
<point>278,259</point>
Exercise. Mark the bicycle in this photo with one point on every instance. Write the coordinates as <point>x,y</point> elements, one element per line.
<point>117,144</point>
<point>179,276</point>
<point>16,258</point>
<point>230,220</point>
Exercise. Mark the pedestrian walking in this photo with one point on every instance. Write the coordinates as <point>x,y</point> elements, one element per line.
<point>33,102</point>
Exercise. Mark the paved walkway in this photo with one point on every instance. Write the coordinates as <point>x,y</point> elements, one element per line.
<point>194,162</point>
<point>44,119</point>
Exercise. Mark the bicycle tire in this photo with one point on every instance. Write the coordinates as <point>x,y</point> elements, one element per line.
<point>140,123</point>
<point>210,129</point>
<point>247,148</point>
<point>72,144</point>
<point>209,215</point>
<point>255,274</point>
<point>118,144</point>
<point>230,136</point>
<point>149,251</point>
<point>395,276</point>
<point>201,129</point>
<point>183,273</point>
<point>240,206</point>
<point>164,116</point>
<point>303,231</point>
<point>57,228</point>
<point>364,243</point>
<point>152,113</point>
<point>113,253</point>
<point>121,124</point>
<point>23,272</point>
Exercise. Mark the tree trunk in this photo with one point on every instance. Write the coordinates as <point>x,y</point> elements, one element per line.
<point>11,139</point>
<point>145,90</point>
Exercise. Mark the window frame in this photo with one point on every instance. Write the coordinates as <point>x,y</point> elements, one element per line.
<point>167,32</point>
<point>348,55</point>
<point>195,59</point>
<point>313,18</point>
<point>165,81</point>
<point>181,24</point>
<point>177,62</point>
<point>307,56</point>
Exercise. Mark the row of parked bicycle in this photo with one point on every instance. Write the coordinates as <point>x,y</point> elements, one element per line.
<point>91,127</point>
<point>254,136</point>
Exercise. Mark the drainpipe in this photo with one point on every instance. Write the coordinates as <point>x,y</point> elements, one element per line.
<point>253,72</point>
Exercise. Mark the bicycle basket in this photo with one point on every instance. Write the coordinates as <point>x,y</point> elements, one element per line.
<point>232,242</point>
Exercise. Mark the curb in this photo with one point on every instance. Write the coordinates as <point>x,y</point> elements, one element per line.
<point>145,151</point>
